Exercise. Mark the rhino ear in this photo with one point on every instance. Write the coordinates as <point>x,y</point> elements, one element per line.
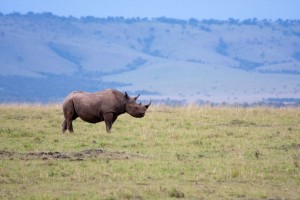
<point>135,98</point>
<point>126,95</point>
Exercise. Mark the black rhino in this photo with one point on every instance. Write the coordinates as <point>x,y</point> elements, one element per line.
<point>100,106</point>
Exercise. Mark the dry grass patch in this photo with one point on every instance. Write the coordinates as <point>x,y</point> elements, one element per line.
<point>183,152</point>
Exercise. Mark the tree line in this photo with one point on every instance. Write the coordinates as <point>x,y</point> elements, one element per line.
<point>191,21</point>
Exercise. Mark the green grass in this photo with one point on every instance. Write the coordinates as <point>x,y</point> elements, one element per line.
<point>186,152</point>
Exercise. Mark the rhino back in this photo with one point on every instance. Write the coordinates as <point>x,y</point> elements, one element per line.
<point>111,100</point>
<point>91,106</point>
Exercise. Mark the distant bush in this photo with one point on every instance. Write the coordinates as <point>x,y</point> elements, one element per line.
<point>171,20</point>
<point>296,55</point>
<point>222,47</point>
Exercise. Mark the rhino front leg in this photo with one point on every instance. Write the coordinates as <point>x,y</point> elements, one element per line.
<point>109,119</point>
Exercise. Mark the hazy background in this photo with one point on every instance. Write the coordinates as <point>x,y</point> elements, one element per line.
<point>200,9</point>
<point>176,52</point>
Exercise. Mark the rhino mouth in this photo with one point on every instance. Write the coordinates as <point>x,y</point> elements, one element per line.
<point>140,115</point>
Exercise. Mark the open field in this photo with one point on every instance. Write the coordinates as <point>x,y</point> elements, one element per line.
<point>186,152</point>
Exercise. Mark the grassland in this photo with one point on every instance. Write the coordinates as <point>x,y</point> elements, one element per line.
<point>186,152</point>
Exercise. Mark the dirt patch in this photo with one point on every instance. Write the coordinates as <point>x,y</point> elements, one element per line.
<point>288,147</point>
<point>6,153</point>
<point>73,156</point>
<point>237,122</point>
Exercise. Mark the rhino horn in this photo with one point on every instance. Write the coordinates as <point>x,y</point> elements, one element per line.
<point>147,106</point>
<point>135,98</point>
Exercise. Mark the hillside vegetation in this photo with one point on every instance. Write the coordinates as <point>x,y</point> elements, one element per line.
<point>173,152</point>
<point>44,57</point>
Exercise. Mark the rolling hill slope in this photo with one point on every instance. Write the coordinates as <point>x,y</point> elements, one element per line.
<point>43,57</point>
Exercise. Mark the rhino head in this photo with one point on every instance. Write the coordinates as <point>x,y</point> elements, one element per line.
<point>134,109</point>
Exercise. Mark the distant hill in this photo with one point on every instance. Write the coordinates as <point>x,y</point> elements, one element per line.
<point>44,57</point>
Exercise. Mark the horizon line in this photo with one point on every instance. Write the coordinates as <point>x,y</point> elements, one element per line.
<point>144,18</point>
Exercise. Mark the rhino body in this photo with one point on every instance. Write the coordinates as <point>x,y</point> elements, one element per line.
<point>100,106</point>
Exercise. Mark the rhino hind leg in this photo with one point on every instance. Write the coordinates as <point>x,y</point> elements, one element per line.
<point>67,125</point>
<point>70,126</point>
<point>70,115</point>
<point>64,126</point>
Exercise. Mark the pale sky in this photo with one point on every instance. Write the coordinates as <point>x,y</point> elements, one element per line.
<point>180,9</point>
